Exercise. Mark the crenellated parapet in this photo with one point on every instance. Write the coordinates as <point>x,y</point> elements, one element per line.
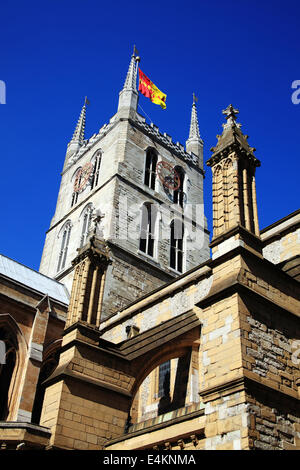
<point>151,130</point>
<point>166,140</point>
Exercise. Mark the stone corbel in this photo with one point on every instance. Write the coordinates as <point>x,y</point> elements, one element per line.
<point>181,444</point>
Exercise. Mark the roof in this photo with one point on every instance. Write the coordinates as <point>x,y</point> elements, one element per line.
<point>294,218</point>
<point>33,279</point>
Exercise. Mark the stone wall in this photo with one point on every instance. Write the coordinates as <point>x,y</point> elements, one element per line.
<point>268,346</point>
<point>281,240</point>
<point>171,302</point>
<point>274,422</point>
<point>245,349</point>
<point>81,410</point>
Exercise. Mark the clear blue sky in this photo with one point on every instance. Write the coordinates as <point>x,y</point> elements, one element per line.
<point>53,53</point>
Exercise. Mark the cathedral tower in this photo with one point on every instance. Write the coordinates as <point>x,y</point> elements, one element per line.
<point>147,193</point>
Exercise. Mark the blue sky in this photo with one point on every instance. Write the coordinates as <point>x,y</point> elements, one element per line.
<point>54,53</point>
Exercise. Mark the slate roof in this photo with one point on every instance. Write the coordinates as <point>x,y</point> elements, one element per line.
<point>33,279</point>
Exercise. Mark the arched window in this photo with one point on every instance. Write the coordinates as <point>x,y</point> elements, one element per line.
<point>147,236</point>
<point>65,238</point>
<point>7,366</point>
<point>169,386</point>
<point>150,168</point>
<point>74,198</point>
<point>76,181</point>
<point>164,379</point>
<point>96,169</point>
<point>178,194</point>
<point>176,245</point>
<point>86,223</point>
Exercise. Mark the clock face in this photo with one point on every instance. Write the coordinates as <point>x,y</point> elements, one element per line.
<point>168,175</point>
<point>82,177</point>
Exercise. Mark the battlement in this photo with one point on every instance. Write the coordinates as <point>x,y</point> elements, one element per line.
<point>150,129</point>
<point>88,143</point>
<point>166,140</point>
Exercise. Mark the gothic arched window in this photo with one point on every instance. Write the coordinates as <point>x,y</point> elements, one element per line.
<point>148,221</point>
<point>167,387</point>
<point>96,169</point>
<point>86,223</point>
<point>7,366</point>
<point>164,379</point>
<point>65,238</point>
<point>178,194</point>
<point>150,168</point>
<point>76,178</point>
<point>176,245</point>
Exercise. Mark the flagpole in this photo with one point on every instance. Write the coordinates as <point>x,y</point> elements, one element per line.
<point>137,59</point>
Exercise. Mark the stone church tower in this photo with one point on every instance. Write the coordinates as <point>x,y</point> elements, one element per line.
<point>207,361</point>
<point>140,192</point>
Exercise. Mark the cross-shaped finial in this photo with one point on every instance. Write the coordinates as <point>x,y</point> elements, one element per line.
<point>230,113</point>
<point>97,217</point>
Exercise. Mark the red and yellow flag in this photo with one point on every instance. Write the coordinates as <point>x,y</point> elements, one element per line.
<point>148,89</point>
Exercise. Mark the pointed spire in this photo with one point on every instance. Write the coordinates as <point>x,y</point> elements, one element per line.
<point>78,136</point>
<point>128,97</point>
<point>195,143</point>
<point>130,81</point>
<point>194,126</point>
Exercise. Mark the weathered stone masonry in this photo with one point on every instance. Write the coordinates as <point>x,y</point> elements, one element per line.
<point>220,341</point>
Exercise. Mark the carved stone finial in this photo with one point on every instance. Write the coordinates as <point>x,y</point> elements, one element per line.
<point>230,113</point>
<point>97,216</point>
